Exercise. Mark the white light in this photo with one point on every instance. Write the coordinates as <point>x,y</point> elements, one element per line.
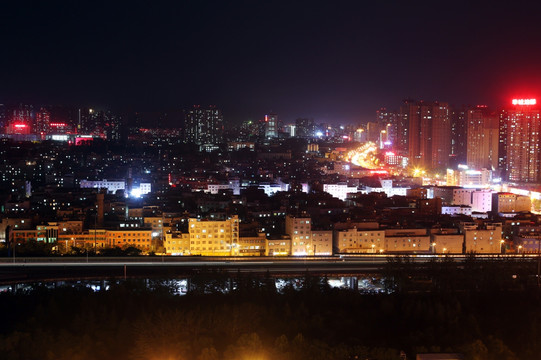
<point>136,193</point>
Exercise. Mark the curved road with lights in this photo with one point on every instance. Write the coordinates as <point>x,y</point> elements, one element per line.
<point>365,156</point>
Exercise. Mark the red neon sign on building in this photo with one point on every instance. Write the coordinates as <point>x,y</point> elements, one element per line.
<point>524,101</point>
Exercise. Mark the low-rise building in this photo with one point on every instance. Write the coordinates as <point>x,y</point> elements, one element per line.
<point>456,210</point>
<point>505,202</point>
<point>322,243</point>
<point>482,201</point>
<point>214,238</point>
<point>177,243</point>
<point>484,238</point>
<point>278,247</point>
<point>353,240</point>
<point>407,240</point>
<point>252,245</point>
<point>299,230</point>
<point>340,190</point>
<point>447,243</point>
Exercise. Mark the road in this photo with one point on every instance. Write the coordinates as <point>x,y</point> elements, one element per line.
<point>62,268</point>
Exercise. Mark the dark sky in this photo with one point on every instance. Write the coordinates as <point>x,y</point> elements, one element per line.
<point>336,61</point>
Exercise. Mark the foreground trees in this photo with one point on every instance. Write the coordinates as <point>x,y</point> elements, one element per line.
<point>144,320</point>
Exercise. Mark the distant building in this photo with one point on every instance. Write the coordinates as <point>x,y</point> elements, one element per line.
<point>462,196</point>
<point>429,133</point>
<point>203,126</point>
<point>471,178</point>
<point>504,202</point>
<point>387,188</point>
<point>523,162</point>
<point>482,138</point>
<point>305,128</point>
<point>456,210</point>
<point>112,186</point>
<point>271,126</point>
<point>482,201</point>
<point>340,190</point>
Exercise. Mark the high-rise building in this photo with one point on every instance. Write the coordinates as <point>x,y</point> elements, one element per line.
<point>21,120</point>
<point>402,127</point>
<point>458,137</point>
<point>271,126</point>
<point>482,138</point>
<point>502,143</point>
<point>389,123</point>
<point>429,133</point>
<point>305,127</point>
<point>43,119</point>
<point>203,125</point>
<point>523,142</point>
<point>373,130</point>
<point>2,117</point>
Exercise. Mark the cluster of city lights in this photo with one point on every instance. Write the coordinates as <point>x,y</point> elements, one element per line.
<point>364,156</point>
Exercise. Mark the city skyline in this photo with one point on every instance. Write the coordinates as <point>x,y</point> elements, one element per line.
<point>335,63</point>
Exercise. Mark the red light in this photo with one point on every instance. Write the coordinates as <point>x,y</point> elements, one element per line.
<point>379,172</point>
<point>58,124</point>
<point>389,153</point>
<point>524,101</point>
<point>20,125</point>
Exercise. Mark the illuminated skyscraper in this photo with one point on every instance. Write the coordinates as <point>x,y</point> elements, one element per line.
<point>482,138</point>
<point>43,119</point>
<point>459,129</point>
<point>203,126</point>
<point>271,126</point>
<point>523,142</point>
<point>389,123</point>
<point>402,127</point>
<point>21,120</point>
<point>429,133</point>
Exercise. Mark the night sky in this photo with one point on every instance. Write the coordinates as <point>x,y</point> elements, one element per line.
<point>335,61</point>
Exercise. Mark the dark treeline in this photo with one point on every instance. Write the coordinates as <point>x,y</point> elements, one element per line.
<point>143,319</point>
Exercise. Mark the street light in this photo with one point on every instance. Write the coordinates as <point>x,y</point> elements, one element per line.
<point>374,248</point>
<point>519,248</point>
<point>434,247</point>
<point>501,245</point>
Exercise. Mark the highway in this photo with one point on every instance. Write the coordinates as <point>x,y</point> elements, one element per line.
<point>63,268</point>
